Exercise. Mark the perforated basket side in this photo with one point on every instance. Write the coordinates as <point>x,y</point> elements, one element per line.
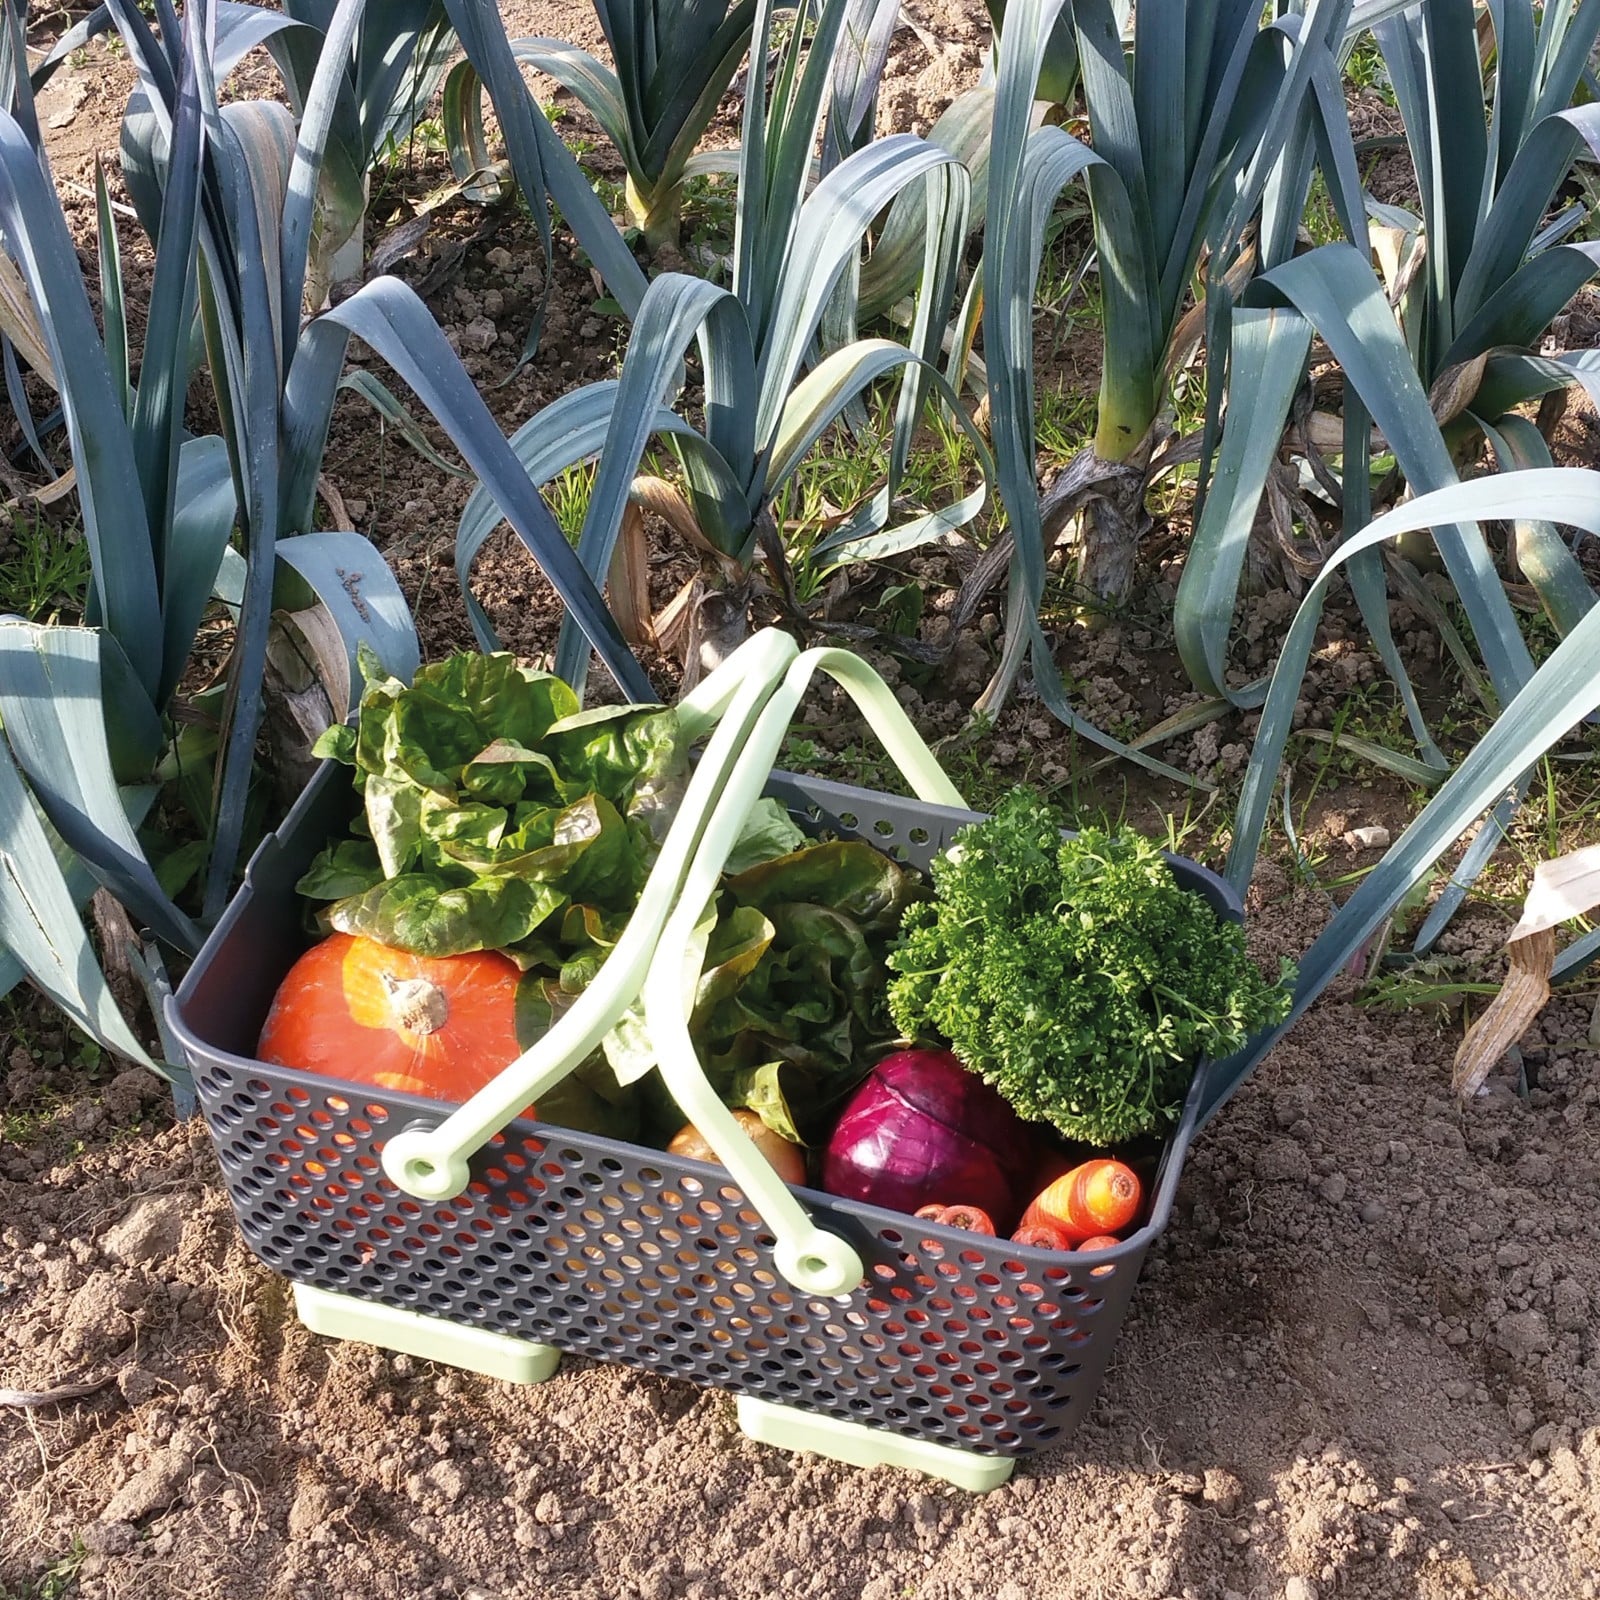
<point>627,1255</point>
<point>630,1255</point>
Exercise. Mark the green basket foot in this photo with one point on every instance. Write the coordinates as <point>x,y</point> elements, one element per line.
<point>495,1355</point>
<point>860,1446</point>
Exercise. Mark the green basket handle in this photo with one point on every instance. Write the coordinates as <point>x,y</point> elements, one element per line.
<point>813,1259</point>
<point>432,1163</point>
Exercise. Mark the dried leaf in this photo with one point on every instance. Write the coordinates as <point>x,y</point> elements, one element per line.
<point>628,582</point>
<point>1454,388</point>
<point>1561,890</point>
<point>1520,1000</point>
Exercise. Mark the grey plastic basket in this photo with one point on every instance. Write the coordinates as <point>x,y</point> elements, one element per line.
<point>630,1255</point>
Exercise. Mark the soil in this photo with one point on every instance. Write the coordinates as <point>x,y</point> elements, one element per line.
<point>1362,1361</point>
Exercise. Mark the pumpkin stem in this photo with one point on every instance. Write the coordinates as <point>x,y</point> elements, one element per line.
<point>416,1005</point>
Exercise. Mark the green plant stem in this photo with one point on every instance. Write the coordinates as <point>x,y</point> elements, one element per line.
<point>657,213</point>
<point>1129,401</point>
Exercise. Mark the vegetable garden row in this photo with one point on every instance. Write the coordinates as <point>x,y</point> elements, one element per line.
<point>1008,1034</point>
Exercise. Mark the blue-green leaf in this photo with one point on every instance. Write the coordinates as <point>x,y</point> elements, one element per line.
<point>53,708</point>
<point>40,928</point>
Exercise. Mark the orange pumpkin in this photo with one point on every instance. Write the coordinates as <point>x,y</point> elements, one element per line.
<point>440,1027</point>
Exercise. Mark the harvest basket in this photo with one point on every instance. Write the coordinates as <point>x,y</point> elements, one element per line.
<point>946,1351</point>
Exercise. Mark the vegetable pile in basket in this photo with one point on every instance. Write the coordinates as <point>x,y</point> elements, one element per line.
<point>498,816</point>
<point>1056,994</point>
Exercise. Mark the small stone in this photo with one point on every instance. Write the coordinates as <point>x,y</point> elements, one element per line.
<point>149,1229</point>
<point>1373,838</point>
<point>1223,1490</point>
<point>93,1325</point>
<point>150,1490</point>
<point>1282,1161</point>
<point>1522,1334</point>
<point>1372,1211</point>
<point>310,1509</point>
<point>137,1386</point>
<point>1570,1305</point>
<point>1334,1187</point>
<point>109,1538</point>
<point>447,1479</point>
<point>1291,1105</point>
<point>1298,1588</point>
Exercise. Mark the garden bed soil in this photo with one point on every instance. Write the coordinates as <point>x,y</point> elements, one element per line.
<point>1362,1362</point>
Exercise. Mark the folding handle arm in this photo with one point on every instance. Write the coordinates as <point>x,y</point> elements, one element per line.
<point>814,1260</point>
<point>432,1163</point>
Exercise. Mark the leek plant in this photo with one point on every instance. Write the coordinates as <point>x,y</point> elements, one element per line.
<point>673,62</point>
<point>1441,357</point>
<point>762,411</point>
<point>389,68</point>
<point>397,60</point>
<point>1546,706</point>
<point>91,713</point>
<point>1190,128</point>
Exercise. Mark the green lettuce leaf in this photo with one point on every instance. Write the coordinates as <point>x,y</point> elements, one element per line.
<point>590,1099</point>
<point>847,874</point>
<point>394,817</point>
<point>504,772</point>
<point>336,743</point>
<point>416,912</point>
<point>769,831</point>
<point>346,867</point>
<point>760,1089</point>
<point>629,754</point>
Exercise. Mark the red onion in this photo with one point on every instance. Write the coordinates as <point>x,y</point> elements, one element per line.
<point>922,1129</point>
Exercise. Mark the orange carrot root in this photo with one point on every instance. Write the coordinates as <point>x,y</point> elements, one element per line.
<point>1098,1197</point>
<point>1042,1235</point>
<point>973,1218</point>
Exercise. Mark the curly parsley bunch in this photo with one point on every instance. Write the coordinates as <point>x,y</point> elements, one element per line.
<point>1076,977</point>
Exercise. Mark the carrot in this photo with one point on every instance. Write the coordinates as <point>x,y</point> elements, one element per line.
<point>973,1218</point>
<point>1101,1241</point>
<point>1042,1235</point>
<point>1098,1197</point>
